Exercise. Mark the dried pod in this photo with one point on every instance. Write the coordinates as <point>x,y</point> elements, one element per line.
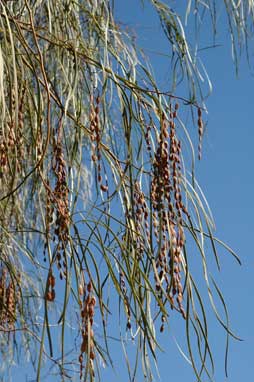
<point>80,289</point>
<point>89,287</point>
<point>51,281</point>
<point>93,301</point>
<point>104,188</point>
<point>84,346</point>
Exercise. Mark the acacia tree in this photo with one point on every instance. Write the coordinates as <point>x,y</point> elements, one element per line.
<point>99,202</point>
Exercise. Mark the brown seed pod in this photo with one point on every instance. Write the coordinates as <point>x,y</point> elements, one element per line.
<point>93,301</point>
<point>104,188</point>
<point>80,289</point>
<point>89,287</point>
<point>50,296</point>
<point>84,346</point>
<point>165,134</point>
<point>200,123</point>
<point>83,313</point>
<point>91,311</point>
<point>179,298</point>
<point>52,281</point>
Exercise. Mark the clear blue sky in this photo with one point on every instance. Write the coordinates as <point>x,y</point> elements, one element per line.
<point>226,177</point>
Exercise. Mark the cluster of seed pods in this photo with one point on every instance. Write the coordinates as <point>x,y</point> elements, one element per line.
<point>176,229</point>
<point>87,317</point>
<point>141,218</point>
<point>7,150</point>
<point>167,212</point>
<point>126,298</point>
<point>9,297</point>
<point>57,200</point>
<point>11,144</point>
<point>96,140</point>
<point>3,158</point>
<point>60,200</point>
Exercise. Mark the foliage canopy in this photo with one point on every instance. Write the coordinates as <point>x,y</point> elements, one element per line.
<point>99,201</point>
